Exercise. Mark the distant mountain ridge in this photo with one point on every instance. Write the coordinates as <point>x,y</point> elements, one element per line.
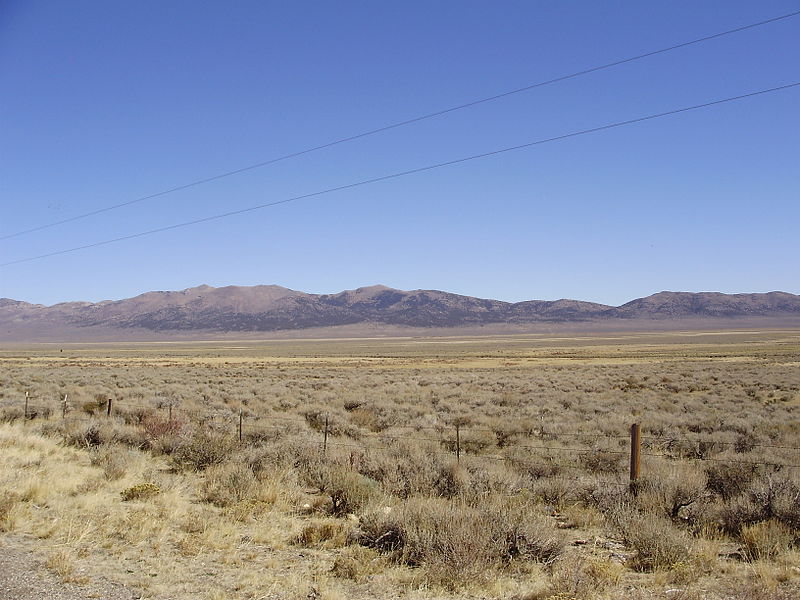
<point>271,308</point>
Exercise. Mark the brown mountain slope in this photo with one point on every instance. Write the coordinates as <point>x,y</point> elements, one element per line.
<point>708,304</point>
<point>271,308</point>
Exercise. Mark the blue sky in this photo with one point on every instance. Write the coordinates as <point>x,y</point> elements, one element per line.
<point>104,102</point>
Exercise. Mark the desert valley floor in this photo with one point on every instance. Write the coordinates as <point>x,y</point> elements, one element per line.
<point>451,467</point>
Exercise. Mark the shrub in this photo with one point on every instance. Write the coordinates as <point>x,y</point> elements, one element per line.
<point>95,407</point>
<point>156,426</point>
<point>338,424</point>
<point>62,564</point>
<point>578,577</point>
<point>404,469</point>
<point>349,491</point>
<point>553,490</point>
<point>452,480</point>
<point>532,539</point>
<point>228,483</point>
<point>766,539</point>
<point>326,533</point>
<point>767,497</point>
<point>94,433</point>
<point>141,491</point>
<point>787,507</point>
<point>456,542</point>
<point>82,435</point>
<point>356,562</point>
<point>739,512</point>
<point>530,465</point>
<point>8,500</point>
<point>114,460</point>
<point>729,479</point>
<point>505,432</point>
<point>203,449</point>
<point>602,462</point>
<point>9,414</point>
<point>657,542</point>
<point>668,493</point>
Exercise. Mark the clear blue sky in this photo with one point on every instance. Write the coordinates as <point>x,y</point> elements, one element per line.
<point>106,101</point>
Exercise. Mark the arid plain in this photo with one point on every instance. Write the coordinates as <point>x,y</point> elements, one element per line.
<point>452,467</point>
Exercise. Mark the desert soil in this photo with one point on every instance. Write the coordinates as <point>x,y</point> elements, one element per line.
<point>23,576</point>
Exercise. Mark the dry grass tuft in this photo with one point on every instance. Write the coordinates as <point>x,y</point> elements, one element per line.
<point>324,533</point>
<point>356,562</point>
<point>8,502</point>
<point>62,563</point>
<point>767,539</point>
<point>583,578</point>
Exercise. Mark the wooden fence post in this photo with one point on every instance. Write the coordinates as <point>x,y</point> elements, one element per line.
<point>108,408</point>
<point>458,443</point>
<point>64,408</point>
<point>636,453</point>
<point>27,394</point>
<point>240,424</point>
<point>325,436</point>
<point>170,411</point>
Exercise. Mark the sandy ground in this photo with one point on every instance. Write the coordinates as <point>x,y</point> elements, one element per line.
<point>23,576</point>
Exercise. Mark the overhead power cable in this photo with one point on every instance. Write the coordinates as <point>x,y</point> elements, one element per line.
<point>404,173</point>
<point>399,124</point>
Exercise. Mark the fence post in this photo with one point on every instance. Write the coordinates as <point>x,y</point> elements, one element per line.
<point>458,442</point>
<point>26,405</point>
<point>240,424</point>
<point>108,408</point>
<point>64,408</point>
<point>325,436</point>
<point>636,453</point>
<point>170,411</point>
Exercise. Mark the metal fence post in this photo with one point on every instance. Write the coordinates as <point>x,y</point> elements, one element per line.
<point>458,443</point>
<point>325,436</point>
<point>636,453</point>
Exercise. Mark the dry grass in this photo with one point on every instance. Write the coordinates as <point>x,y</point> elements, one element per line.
<point>387,511</point>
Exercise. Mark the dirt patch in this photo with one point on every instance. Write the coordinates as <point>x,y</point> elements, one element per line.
<point>24,576</point>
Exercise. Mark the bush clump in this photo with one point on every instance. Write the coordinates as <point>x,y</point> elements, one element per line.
<point>113,459</point>
<point>658,543</point>
<point>325,533</point>
<point>141,491</point>
<point>456,542</point>
<point>349,491</point>
<point>8,500</point>
<point>767,539</point>
<point>728,480</point>
<point>203,449</point>
<point>228,484</point>
<point>355,563</point>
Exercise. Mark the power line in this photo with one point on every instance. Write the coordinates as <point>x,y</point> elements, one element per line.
<point>401,174</point>
<point>400,124</point>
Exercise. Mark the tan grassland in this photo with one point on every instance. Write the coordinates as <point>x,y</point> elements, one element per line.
<point>167,497</point>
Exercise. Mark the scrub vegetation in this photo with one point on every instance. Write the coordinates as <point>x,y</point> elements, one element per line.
<point>415,468</point>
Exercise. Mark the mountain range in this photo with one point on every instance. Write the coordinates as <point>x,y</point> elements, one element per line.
<point>207,311</point>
